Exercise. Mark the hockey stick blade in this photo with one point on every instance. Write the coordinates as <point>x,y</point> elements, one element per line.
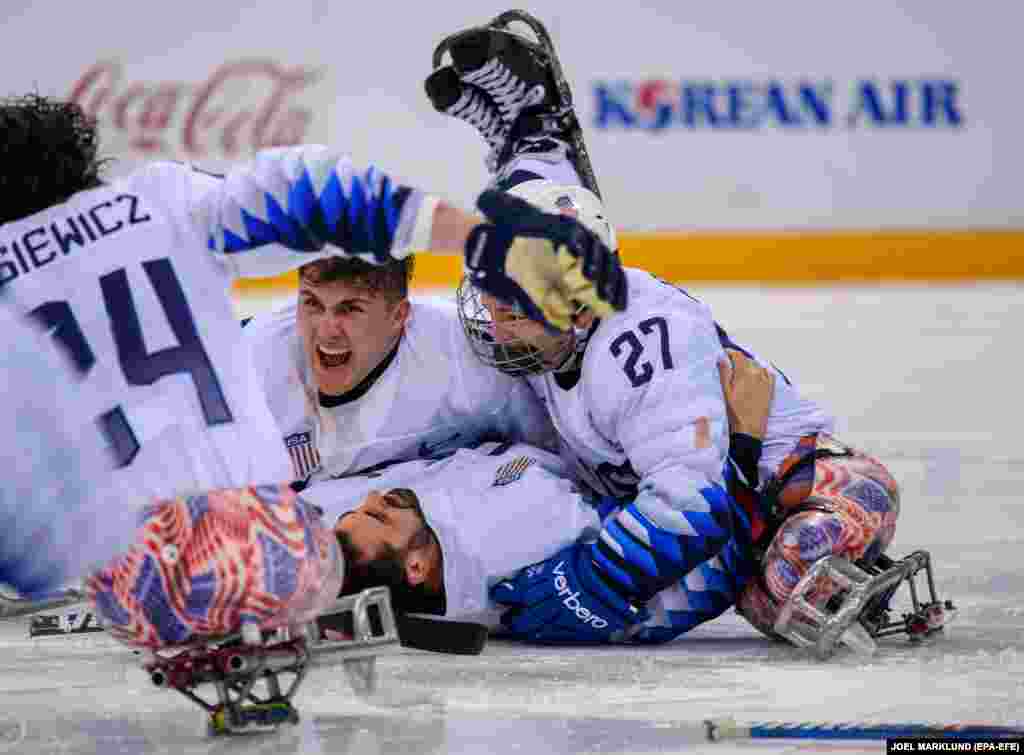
<point>439,636</point>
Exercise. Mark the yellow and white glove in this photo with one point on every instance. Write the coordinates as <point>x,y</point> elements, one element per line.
<point>548,265</point>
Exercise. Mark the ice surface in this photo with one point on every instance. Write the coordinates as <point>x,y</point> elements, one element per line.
<point>928,378</point>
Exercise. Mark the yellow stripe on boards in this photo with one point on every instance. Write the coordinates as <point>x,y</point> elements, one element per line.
<point>783,257</point>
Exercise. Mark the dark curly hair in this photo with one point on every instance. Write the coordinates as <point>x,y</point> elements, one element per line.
<point>48,151</point>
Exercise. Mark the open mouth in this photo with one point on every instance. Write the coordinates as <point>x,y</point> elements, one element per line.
<point>331,358</point>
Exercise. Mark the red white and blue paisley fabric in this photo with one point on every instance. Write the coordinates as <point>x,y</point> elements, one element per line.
<point>204,565</point>
<point>855,506</point>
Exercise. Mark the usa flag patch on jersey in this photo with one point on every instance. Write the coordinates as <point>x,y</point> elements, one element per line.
<point>509,473</point>
<point>305,457</point>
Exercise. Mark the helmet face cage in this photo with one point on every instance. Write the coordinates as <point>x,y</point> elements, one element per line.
<point>514,357</point>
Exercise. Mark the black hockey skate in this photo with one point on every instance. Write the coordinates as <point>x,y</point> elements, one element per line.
<point>451,96</point>
<point>859,614</point>
<point>505,66</point>
<point>524,82</point>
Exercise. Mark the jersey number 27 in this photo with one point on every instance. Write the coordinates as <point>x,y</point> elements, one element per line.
<point>641,374</point>
<point>139,366</point>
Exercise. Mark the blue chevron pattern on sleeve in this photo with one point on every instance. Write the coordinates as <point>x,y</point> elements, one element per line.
<point>305,198</point>
<point>641,558</point>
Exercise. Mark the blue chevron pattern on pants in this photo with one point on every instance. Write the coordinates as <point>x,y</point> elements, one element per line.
<point>642,558</point>
<point>707,592</point>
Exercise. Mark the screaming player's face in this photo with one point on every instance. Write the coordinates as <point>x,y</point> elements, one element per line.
<point>347,330</point>
<point>518,332</point>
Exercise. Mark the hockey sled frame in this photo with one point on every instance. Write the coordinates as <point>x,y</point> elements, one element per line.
<point>860,612</point>
<point>235,666</point>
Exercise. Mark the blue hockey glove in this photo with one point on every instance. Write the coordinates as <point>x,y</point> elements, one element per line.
<point>564,600</point>
<point>545,264</point>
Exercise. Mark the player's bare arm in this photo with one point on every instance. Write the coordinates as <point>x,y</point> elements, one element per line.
<point>748,388</point>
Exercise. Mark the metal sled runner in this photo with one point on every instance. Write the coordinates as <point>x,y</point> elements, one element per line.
<point>860,612</point>
<point>247,671</point>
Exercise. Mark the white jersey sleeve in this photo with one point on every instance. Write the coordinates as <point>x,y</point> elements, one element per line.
<point>283,209</point>
<point>494,509</point>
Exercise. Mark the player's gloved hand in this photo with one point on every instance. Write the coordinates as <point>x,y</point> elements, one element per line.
<point>546,264</point>
<point>564,599</point>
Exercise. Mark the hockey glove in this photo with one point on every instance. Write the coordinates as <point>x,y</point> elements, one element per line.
<point>548,265</point>
<point>564,600</point>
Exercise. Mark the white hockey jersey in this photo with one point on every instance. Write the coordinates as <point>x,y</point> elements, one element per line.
<point>433,397</point>
<point>50,519</point>
<point>495,509</point>
<point>132,278</point>
<point>647,415</point>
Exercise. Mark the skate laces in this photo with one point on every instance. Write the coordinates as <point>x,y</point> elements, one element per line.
<point>475,108</point>
<point>510,93</point>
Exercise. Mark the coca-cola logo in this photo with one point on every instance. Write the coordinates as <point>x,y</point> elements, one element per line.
<point>243,106</point>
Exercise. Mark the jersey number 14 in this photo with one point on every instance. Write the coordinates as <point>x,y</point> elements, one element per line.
<point>139,366</point>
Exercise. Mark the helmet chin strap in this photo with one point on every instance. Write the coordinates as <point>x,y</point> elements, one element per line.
<point>581,337</point>
<point>570,363</point>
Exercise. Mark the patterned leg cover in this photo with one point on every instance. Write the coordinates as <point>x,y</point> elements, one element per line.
<point>840,505</point>
<point>203,566</point>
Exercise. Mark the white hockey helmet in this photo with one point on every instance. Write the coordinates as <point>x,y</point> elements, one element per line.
<point>575,201</point>
<point>515,356</point>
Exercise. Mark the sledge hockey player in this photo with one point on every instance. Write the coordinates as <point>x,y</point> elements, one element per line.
<point>358,375</point>
<point>637,403</point>
<point>445,534</point>
<point>448,536</point>
<point>129,279</point>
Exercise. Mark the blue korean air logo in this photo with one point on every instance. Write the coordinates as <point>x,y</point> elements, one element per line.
<point>762,104</point>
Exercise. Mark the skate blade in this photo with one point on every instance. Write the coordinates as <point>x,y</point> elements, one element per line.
<point>540,45</point>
